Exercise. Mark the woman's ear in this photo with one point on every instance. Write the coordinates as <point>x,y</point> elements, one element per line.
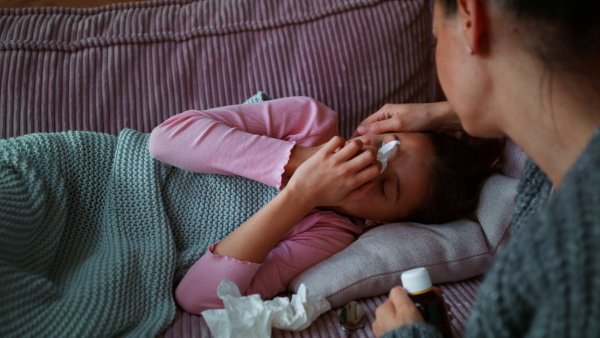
<point>472,15</point>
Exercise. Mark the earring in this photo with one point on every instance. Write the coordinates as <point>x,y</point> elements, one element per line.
<point>469,50</point>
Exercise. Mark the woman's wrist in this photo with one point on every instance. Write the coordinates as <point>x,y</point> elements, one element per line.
<point>445,116</point>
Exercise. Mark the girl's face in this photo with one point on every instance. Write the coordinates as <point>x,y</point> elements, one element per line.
<point>403,185</point>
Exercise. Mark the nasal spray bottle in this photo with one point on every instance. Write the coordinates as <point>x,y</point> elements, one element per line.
<point>431,304</point>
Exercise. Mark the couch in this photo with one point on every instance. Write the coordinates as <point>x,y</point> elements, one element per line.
<point>133,65</point>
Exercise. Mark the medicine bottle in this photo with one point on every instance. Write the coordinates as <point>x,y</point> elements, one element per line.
<point>431,304</point>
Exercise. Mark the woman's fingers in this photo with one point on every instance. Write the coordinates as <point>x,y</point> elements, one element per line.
<point>398,310</point>
<point>407,117</point>
<point>385,316</point>
<point>392,124</point>
<point>399,296</point>
<point>384,120</point>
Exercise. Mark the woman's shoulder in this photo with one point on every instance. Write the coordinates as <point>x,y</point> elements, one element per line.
<point>575,205</point>
<point>581,185</point>
<point>532,193</point>
<point>587,164</point>
<point>580,188</point>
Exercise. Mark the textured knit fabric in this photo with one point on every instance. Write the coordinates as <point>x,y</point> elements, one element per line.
<point>85,230</point>
<point>534,190</point>
<point>545,283</point>
<point>203,209</point>
<point>253,141</point>
<point>85,245</point>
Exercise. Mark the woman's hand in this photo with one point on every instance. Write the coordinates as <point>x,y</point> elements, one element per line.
<point>410,117</point>
<point>337,173</point>
<point>396,311</point>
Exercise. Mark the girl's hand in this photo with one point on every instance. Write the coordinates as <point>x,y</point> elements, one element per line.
<point>437,116</point>
<point>336,174</point>
<point>299,155</point>
<point>396,311</point>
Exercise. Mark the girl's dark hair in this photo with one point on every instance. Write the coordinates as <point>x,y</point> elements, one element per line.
<point>460,167</point>
<point>562,33</point>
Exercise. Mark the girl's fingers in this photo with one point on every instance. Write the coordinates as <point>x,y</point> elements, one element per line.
<point>369,172</point>
<point>368,156</point>
<point>350,149</point>
<point>360,191</point>
<point>333,144</point>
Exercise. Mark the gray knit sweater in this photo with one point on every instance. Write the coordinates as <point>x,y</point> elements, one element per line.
<point>546,282</point>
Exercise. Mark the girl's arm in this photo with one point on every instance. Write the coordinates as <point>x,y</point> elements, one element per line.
<point>320,235</point>
<point>335,175</point>
<point>338,173</point>
<point>251,140</point>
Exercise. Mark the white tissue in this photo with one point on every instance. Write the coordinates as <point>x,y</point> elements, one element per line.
<point>250,316</point>
<point>383,154</point>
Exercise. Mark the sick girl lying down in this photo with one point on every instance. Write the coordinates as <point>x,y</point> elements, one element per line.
<point>330,189</point>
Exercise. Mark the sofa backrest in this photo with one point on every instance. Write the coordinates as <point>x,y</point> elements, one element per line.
<point>133,65</point>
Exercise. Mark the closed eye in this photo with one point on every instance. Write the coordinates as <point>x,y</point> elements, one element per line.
<point>383,187</point>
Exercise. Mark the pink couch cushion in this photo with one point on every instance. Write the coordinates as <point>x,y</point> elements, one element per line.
<point>134,65</point>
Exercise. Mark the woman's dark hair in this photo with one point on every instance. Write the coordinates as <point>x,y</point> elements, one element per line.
<point>562,33</point>
<point>460,167</point>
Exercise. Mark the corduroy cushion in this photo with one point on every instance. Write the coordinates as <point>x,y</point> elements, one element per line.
<point>134,65</point>
<point>451,252</point>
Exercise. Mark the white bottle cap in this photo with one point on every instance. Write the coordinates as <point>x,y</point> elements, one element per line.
<point>416,280</point>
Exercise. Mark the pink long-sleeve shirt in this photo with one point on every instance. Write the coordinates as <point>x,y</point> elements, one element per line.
<point>255,141</point>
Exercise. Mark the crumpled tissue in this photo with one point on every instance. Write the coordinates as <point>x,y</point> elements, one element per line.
<point>383,154</point>
<point>250,316</point>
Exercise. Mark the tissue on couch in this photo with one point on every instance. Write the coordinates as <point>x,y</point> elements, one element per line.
<point>250,316</point>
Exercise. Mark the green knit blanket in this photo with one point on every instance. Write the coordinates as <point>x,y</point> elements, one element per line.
<point>94,232</point>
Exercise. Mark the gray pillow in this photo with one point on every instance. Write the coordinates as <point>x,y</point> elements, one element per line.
<point>451,252</point>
